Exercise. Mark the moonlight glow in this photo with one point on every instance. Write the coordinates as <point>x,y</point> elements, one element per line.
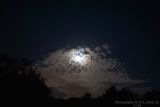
<point>79,56</point>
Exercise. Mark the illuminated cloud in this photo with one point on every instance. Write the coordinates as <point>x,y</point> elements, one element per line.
<point>81,70</point>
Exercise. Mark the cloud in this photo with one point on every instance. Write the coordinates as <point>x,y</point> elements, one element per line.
<point>106,47</point>
<point>93,74</point>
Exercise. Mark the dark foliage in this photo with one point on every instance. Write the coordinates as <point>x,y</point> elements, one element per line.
<point>22,85</point>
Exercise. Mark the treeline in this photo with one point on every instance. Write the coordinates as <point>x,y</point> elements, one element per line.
<point>22,85</point>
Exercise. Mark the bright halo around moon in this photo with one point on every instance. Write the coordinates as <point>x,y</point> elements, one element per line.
<point>79,56</point>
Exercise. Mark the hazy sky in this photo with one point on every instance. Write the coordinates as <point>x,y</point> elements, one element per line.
<point>33,29</point>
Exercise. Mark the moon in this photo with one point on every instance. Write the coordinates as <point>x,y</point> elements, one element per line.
<point>79,56</point>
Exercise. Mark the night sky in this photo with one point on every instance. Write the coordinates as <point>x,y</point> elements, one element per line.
<point>32,29</point>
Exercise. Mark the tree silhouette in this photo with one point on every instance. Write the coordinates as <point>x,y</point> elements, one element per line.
<point>21,82</point>
<point>152,95</point>
<point>126,94</point>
